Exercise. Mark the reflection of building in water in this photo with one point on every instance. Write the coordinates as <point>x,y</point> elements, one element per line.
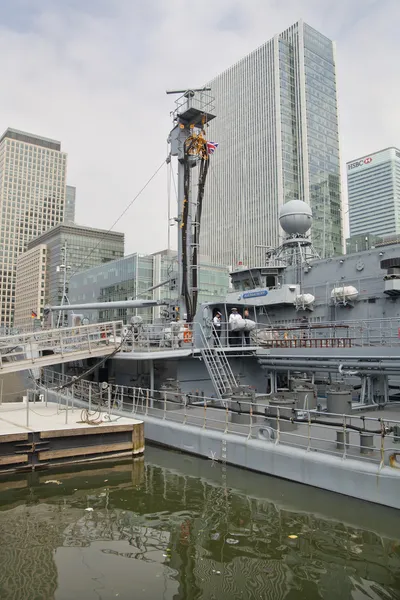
<point>239,546</point>
<point>193,537</point>
<point>33,539</point>
<point>29,535</point>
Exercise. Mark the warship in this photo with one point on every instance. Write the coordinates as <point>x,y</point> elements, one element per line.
<point>303,384</point>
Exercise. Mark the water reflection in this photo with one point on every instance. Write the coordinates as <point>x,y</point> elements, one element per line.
<point>183,528</point>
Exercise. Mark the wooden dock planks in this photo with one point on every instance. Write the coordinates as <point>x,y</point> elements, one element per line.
<point>77,443</point>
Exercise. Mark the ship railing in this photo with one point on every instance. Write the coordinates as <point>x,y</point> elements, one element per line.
<point>201,101</point>
<point>85,338</point>
<point>157,337</point>
<point>369,332</point>
<point>352,436</point>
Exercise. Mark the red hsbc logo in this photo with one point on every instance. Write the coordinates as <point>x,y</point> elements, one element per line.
<point>359,163</point>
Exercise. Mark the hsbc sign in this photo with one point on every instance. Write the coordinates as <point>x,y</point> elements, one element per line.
<point>359,163</point>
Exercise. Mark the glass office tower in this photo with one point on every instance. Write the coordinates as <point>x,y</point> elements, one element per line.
<point>32,199</point>
<point>277,129</point>
<point>373,184</point>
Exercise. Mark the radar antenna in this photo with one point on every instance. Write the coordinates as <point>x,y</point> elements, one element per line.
<point>296,250</point>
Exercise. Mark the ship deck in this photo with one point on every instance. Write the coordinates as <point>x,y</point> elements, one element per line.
<point>307,435</point>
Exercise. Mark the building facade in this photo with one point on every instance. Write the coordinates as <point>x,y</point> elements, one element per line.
<point>30,287</point>
<point>277,130</point>
<point>70,197</point>
<point>83,247</point>
<point>373,183</point>
<point>132,277</point>
<point>32,199</point>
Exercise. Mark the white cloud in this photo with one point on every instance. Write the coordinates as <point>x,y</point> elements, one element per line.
<point>93,74</point>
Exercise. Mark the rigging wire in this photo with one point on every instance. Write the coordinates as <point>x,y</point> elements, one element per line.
<point>77,269</point>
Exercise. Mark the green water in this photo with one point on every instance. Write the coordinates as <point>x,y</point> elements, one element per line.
<point>178,527</point>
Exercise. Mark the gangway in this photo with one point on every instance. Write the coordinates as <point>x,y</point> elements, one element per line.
<point>218,366</point>
<point>57,346</point>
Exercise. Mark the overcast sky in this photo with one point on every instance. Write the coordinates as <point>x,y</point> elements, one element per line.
<point>93,74</point>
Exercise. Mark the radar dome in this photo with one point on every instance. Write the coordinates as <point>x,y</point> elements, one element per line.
<point>295,217</point>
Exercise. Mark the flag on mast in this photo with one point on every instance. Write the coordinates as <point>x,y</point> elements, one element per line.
<point>33,314</point>
<point>211,147</point>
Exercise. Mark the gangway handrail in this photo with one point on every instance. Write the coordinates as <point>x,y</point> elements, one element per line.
<point>61,345</point>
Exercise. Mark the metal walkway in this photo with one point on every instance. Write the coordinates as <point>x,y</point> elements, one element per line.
<point>56,346</point>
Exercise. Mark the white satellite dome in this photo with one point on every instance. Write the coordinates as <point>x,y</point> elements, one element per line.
<point>295,217</point>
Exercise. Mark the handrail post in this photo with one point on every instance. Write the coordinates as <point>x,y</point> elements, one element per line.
<point>88,340</point>
<point>61,343</point>
<point>90,395</point>
<point>27,407</point>
<point>185,413</point>
<point>66,407</point>
<point>382,445</point>
<point>147,402</point>
<point>278,426</point>
<point>205,413</point>
<point>226,417</point>
<point>109,400</point>
<point>165,405</point>
<point>250,422</point>
<point>309,431</point>
<point>31,350</point>
<point>114,330</point>
<point>344,436</point>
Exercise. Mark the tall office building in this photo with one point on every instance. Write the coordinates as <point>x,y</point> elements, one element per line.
<point>30,287</point>
<point>32,199</point>
<point>70,197</point>
<point>83,247</point>
<point>277,130</point>
<point>373,183</point>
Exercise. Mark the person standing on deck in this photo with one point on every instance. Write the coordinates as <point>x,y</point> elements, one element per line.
<point>246,334</point>
<point>217,325</point>
<point>234,317</point>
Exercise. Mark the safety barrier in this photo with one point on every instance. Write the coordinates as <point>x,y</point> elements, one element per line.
<point>355,436</point>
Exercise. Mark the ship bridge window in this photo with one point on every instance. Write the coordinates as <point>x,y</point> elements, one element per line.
<point>270,281</point>
<point>247,284</point>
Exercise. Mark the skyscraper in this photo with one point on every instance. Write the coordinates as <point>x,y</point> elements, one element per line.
<point>70,197</point>
<point>32,199</point>
<point>373,183</point>
<point>43,280</point>
<point>277,129</point>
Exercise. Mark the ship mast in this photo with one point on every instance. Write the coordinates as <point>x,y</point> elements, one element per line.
<point>188,143</point>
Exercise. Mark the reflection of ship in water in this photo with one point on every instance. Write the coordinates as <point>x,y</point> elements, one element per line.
<point>203,538</point>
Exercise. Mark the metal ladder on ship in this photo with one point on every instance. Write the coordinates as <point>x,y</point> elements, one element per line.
<point>218,367</point>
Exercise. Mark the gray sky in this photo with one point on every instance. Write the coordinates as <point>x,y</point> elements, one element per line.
<point>93,74</point>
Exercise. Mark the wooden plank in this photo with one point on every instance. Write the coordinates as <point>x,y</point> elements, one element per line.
<point>141,429</point>
<point>67,452</point>
<point>138,438</point>
<point>11,460</point>
<point>13,437</point>
<point>92,430</point>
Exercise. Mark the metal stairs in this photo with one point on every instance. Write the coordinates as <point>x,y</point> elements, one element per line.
<point>218,367</point>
